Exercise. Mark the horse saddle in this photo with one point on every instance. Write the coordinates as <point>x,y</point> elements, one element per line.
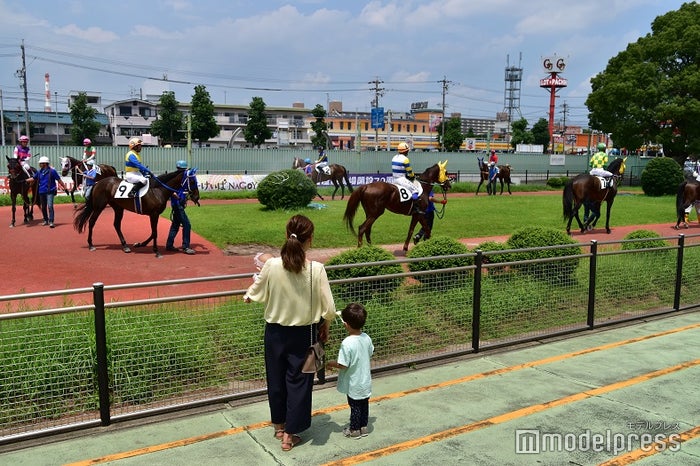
<point>605,183</point>
<point>125,188</point>
<point>406,192</point>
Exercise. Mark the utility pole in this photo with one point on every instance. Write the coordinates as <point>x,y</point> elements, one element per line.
<point>22,75</point>
<point>445,83</point>
<point>563,131</point>
<point>2,119</point>
<point>378,92</point>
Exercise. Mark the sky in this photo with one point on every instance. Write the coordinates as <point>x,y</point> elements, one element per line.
<point>315,51</point>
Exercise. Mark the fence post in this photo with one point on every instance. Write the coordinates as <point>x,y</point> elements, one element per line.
<point>101,351</point>
<point>679,273</point>
<point>476,300</point>
<point>590,319</point>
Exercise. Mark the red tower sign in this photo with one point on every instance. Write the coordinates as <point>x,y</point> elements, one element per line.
<point>553,65</point>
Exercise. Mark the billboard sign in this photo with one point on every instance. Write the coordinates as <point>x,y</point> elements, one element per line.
<point>378,117</point>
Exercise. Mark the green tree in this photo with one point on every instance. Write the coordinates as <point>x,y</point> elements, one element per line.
<point>256,130</point>
<point>519,133</point>
<point>170,122</point>
<point>649,92</point>
<point>83,122</point>
<point>204,124</point>
<point>320,127</point>
<point>540,133</point>
<point>453,135</point>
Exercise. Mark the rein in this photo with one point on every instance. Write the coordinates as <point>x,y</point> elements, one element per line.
<point>184,185</point>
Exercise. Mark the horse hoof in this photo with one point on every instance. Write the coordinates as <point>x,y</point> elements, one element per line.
<point>126,249</point>
<point>92,248</point>
<point>138,245</point>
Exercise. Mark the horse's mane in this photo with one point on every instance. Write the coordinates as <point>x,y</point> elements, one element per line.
<point>165,177</point>
<point>614,166</point>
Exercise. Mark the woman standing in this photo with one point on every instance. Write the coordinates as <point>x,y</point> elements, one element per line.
<point>299,307</point>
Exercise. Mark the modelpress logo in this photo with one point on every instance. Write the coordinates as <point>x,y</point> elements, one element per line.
<point>533,441</point>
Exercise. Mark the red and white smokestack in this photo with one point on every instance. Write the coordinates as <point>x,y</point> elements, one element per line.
<point>47,99</point>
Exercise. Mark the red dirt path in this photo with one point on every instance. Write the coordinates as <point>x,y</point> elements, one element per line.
<point>38,258</point>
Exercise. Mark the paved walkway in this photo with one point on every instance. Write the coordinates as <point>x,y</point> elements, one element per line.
<point>583,400</point>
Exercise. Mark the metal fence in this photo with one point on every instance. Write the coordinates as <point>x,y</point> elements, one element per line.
<point>106,360</point>
<point>526,168</point>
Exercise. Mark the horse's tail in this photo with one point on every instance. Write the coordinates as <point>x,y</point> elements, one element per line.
<point>82,215</point>
<point>568,200</point>
<point>680,200</point>
<point>351,208</point>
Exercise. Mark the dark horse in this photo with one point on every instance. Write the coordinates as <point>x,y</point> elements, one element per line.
<point>503,176</point>
<point>20,186</point>
<point>378,196</point>
<point>77,167</point>
<point>111,191</point>
<point>338,176</point>
<point>585,189</point>
<point>688,194</point>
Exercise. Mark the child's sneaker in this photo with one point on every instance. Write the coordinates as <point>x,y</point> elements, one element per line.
<point>352,433</point>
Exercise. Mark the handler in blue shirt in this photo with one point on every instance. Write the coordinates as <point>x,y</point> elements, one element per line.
<point>179,217</point>
<point>47,177</point>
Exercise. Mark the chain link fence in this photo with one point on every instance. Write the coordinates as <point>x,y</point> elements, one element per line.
<point>90,365</point>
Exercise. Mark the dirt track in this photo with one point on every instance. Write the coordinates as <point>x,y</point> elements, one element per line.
<point>38,258</point>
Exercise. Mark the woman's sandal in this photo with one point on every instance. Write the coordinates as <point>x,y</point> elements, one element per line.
<point>279,431</point>
<point>295,440</point>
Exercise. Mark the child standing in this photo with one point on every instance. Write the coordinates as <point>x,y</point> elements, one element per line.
<point>355,378</point>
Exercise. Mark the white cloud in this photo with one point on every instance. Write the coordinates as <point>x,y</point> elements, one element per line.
<point>90,34</point>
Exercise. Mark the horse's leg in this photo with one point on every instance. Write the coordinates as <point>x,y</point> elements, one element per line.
<point>118,215</point>
<point>366,230</point>
<point>501,186</point>
<point>607,215</point>
<point>414,220</point>
<point>14,208</point>
<point>335,183</point>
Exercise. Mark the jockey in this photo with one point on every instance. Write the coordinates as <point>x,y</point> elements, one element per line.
<point>403,175</point>
<point>135,172</point>
<point>322,161</point>
<point>493,158</point>
<point>598,163</point>
<point>89,152</point>
<point>23,154</point>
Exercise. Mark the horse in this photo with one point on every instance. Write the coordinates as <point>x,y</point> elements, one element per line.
<point>688,194</point>
<point>110,191</point>
<point>585,189</point>
<point>19,185</point>
<point>503,176</point>
<point>378,196</point>
<point>338,176</point>
<point>77,167</point>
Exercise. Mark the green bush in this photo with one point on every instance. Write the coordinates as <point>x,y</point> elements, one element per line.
<point>287,190</point>
<point>365,289</point>
<point>654,240</point>
<point>557,181</point>
<point>661,176</point>
<point>555,272</point>
<point>440,246</point>
<point>490,246</point>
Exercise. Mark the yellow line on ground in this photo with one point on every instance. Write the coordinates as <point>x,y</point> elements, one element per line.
<point>636,455</point>
<point>390,396</point>
<point>509,416</point>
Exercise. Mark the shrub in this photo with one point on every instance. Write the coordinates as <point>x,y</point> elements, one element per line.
<point>557,181</point>
<point>489,246</point>
<point>556,272</point>
<point>287,189</point>
<point>654,240</point>
<point>364,289</point>
<point>440,246</point>
<point>661,176</point>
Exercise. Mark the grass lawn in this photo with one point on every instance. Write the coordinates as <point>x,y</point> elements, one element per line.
<point>465,217</point>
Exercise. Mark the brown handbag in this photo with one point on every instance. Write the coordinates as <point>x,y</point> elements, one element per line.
<point>315,354</point>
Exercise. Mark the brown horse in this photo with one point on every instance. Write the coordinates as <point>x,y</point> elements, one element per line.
<point>585,189</point>
<point>378,196</point>
<point>338,176</point>
<point>688,194</point>
<point>113,191</point>
<point>20,186</point>
<point>503,176</point>
<point>77,167</point>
